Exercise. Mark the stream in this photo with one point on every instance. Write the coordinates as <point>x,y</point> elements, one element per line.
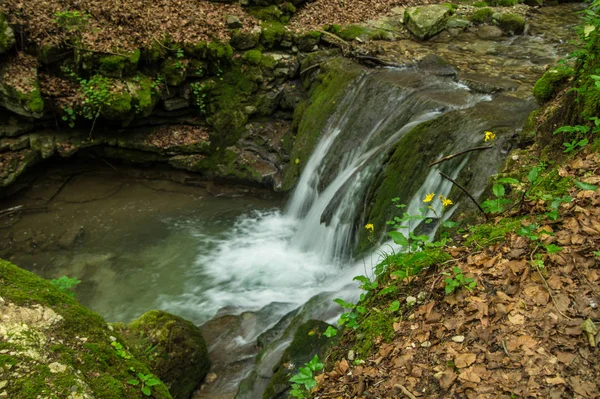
<point>207,252</point>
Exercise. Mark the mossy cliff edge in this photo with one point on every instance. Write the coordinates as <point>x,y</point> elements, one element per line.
<point>52,346</point>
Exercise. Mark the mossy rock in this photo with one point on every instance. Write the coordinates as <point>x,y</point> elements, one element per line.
<point>325,93</point>
<point>7,35</point>
<point>244,40</point>
<point>143,95</point>
<point>20,93</point>
<point>308,341</point>
<point>120,105</point>
<point>426,21</point>
<point>512,24</point>
<point>550,83</point>
<point>227,127</point>
<point>271,34</point>
<point>482,16</point>
<point>253,57</point>
<point>307,41</point>
<point>57,347</point>
<point>507,3</point>
<point>117,66</point>
<point>173,348</point>
<point>219,52</point>
<point>174,70</point>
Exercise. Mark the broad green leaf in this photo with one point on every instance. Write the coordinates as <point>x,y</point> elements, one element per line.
<point>146,391</point>
<point>533,175</point>
<point>508,180</point>
<point>152,382</point>
<point>387,290</point>
<point>394,306</point>
<point>330,332</point>
<point>586,186</point>
<point>344,304</point>
<point>398,238</point>
<point>498,190</point>
<point>133,382</point>
<point>314,364</point>
<point>449,224</point>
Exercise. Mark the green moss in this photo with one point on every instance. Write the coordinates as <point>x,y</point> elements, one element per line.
<point>268,62</point>
<point>143,97</point>
<point>118,65</point>
<point>6,40</point>
<point>92,361</point>
<point>507,3</point>
<point>480,4</point>
<point>325,95</point>
<point>271,34</point>
<point>482,16</point>
<point>351,32</point>
<point>488,233</point>
<point>551,82</point>
<point>219,52</point>
<point>269,13</point>
<point>376,326</point>
<point>174,71</point>
<point>253,57</point>
<point>513,24</point>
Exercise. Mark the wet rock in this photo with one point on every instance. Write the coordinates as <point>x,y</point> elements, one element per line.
<point>487,84</point>
<point>512,24</point>
<point>69,237</point>
<point>455,22</point>
<point>179,356</point>
<point>7,35</point>
<point>428,21</point>
<point>489,32</point>
<point>308,341</point>
<point>436,65</point>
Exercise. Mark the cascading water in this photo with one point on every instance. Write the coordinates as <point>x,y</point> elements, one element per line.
<point>290,257</point>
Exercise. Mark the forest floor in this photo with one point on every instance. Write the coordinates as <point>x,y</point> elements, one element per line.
<point>525,330</point>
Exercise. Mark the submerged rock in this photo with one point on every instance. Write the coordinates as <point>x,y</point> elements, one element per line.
<point>173,348</point>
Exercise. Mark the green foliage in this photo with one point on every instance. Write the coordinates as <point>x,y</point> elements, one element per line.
<point>199,91</point>
<point>499,203</point>
<point>482,16</point>
<point>65,284</point>
<point>457,279</point>
<point>71,20</point>
<point>480,4</point>
<point>304,381</point>
<point>145,382</point>
<point>121,352</point>
<point>330,332</point>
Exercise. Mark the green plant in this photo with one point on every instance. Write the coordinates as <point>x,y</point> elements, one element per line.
<point>145,381</point>
<point>121,352</point>
<point>69,116</point>
<point>304,380</point>
<point>199,93</point>
<point>499,203</point>
<point>457,280</point>
<point>71,20</point>
<point>65,284</point>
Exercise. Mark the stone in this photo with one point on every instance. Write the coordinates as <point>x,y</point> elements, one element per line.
<point>436,65</point>
<point>69,237</point>
<point>233,22</point>
<point>175,103</point>
<point>489,32</point>
<point>181,357</point>
<point>428,21</point>
<point>455,22</point>
<point>19,87</point>
<point>245,40</point>
<point>7,35</point>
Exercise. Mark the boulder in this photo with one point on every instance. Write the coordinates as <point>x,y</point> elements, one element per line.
<point>54,347</point>
<point>511,24</point>
<point>19,87</point>
<point>7,35</point>
<point>428,21</point>
<point>173,348</point>
<point>233,22</point>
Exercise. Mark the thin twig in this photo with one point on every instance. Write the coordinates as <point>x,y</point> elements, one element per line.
<point>405,391</point>
<point>464,190</point>
<point>486,147</point>
<point>10,211</point>
<point>309,68</point>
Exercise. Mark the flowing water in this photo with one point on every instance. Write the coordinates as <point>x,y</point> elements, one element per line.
<point>198,253</point>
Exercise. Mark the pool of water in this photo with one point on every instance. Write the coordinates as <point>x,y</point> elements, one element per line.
<point>136,243</point>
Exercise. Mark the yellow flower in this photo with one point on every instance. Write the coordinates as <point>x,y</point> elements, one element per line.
<point>489,136</point>
<point>447,202</point>
<point>429,197</point>
<point>370,227</point>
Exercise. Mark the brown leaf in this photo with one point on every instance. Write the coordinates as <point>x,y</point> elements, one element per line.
<point>464,360</point>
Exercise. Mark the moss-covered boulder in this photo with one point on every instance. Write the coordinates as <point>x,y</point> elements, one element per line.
<point>271,34</point>
<point>53,347</point>
<point>245,40</point>
<point>307,41</point>
<point>482,16</point>
<point>512,24</point>
<point>143,95</point>
<point>174,70</point>
<point>425,22</point>
<point>117,66</point>
<point>308,341</point>
<point>172,347</point>
<point>7,35</point>
<point>19,86</point>
<point>551,82</point>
